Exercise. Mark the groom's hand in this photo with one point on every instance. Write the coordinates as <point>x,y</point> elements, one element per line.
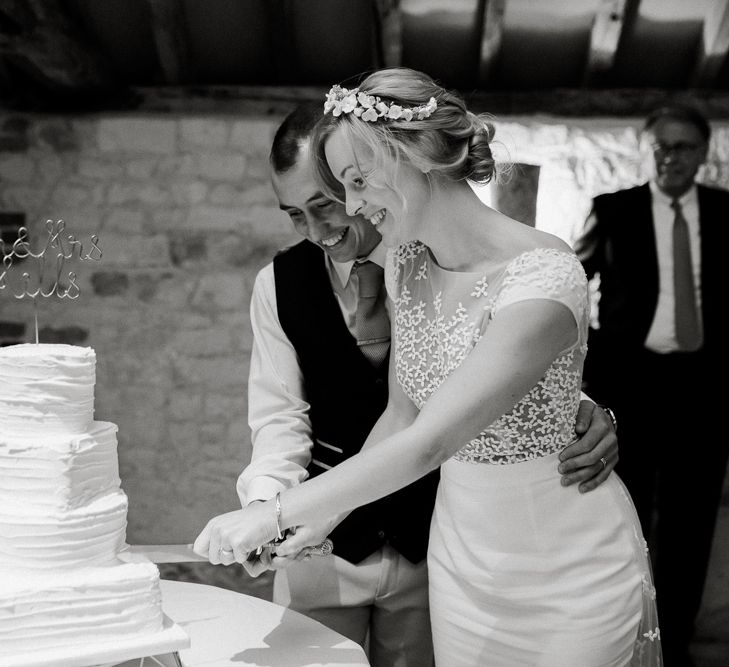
<point>591,459</point>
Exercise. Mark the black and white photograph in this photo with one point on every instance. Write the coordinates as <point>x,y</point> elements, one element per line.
<point>363,333</point>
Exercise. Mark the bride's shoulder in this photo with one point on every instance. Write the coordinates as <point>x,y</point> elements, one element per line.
<point>546,254</point>
<point>541,246</point>
<point>542,239</point>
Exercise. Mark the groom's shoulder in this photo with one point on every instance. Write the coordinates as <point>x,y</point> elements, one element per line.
<point>296,250</point>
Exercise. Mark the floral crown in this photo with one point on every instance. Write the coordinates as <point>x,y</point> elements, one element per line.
<point>371,108</point>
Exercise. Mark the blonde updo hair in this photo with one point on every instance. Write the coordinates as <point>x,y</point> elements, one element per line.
<point>452,143</point>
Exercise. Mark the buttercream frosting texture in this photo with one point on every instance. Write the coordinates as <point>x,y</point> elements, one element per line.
<point>63,514</point>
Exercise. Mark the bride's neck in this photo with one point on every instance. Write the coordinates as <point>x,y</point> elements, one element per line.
<point>458,228</point>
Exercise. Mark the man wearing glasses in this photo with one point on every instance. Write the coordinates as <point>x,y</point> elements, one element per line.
<point>659,250</point>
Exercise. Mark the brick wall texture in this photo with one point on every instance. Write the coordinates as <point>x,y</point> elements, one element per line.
<point>185,217</point>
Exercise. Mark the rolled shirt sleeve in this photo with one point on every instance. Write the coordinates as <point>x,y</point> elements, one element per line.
<point>278,414</point>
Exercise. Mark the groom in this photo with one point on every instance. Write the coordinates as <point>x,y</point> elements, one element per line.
<point>317,385</point>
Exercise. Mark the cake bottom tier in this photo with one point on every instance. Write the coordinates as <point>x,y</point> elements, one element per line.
<point>41,610</point>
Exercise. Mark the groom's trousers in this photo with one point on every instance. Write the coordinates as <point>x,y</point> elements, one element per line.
<point>381,603</point>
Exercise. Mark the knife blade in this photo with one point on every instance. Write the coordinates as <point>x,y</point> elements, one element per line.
<point>162,553</point>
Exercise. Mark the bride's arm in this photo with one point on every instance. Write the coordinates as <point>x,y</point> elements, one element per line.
<point>512,356</point>
<point>399,413</point>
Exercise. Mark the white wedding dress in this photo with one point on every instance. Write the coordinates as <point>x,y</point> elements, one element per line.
<point>523,571</point>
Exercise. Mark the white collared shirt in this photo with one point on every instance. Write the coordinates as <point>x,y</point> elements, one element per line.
<point>278,412</point>
<point>662,334</point>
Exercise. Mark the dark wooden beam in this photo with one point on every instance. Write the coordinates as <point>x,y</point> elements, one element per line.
<point>713,46</point>
<point>611,19</point>
<point>281,37</point>
<point>169,27</point>
<point>491,13</point>
<point>587,103</point>
<point>49,45</point>
<point>46,58</point>
<point>566,102</point>
<point>388,40</point>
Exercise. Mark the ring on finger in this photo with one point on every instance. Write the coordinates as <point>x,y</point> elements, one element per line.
<point>603,460</point>
<point>323,549</point>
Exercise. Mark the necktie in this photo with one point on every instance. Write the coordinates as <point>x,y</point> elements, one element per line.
<point>688,333</point>
<point>371,323</point>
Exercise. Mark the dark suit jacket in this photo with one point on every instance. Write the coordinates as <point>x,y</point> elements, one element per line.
<point>621,247</point>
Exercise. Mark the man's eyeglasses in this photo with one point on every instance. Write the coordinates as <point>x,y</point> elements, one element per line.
<point>680,149</point>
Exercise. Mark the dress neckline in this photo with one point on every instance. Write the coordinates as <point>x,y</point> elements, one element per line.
<point>498,270</point>
<point>434,262</point>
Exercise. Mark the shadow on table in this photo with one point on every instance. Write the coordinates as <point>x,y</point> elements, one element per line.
<point>281,640</point>
<point>233,577</point>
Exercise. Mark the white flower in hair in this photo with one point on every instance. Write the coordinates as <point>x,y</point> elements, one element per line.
<point>371,108</point>
<point>394,111</point>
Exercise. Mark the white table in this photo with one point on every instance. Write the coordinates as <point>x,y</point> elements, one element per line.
<point>231,629</point>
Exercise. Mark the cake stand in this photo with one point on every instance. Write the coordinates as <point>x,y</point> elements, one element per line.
<point>170,639</point>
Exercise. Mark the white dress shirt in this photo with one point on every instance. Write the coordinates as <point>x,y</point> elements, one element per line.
<point>278,412</point>
<point>662,334</point>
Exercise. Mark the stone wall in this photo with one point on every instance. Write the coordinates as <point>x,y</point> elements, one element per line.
<point>185,218</point>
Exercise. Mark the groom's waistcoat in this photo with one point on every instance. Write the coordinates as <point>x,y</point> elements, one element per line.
<point>346,395</point>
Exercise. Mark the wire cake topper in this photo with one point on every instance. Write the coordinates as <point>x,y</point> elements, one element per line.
<point>58,248</point>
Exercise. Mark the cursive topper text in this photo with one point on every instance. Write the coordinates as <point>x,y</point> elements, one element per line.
<point>58,250</point>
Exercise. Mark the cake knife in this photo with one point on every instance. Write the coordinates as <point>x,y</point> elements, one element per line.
<point>163,553</point>
<point>173,553</point>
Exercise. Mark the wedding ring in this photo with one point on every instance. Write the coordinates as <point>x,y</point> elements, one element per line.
<point>603,460</point>
<point>224,552</point>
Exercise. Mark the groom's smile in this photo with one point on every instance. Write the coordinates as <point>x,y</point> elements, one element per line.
<point>320,219</point>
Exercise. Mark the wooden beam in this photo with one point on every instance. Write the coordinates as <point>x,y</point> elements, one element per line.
<point>492,31</point>
<point>388,37</point>
<point>713,46</point>
<point>281,38</point>
<point>169,28</point>
<point>611,19</point>
<point>563,102</point>
<point>48,45</point>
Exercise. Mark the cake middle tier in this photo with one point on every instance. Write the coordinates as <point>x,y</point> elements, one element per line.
<point>59,472</point>
<point>42,538</point>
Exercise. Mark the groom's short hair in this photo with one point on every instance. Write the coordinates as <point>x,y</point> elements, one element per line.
<point>292,134</point>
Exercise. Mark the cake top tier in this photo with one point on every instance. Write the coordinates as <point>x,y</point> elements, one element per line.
<point>46,351</point>
<point>46,388</point>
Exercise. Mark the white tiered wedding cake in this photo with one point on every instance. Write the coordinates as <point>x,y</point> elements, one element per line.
<point>63,590</point>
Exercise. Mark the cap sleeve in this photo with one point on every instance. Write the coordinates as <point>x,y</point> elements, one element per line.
<point>547,273</point>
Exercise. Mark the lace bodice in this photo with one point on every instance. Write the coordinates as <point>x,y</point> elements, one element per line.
<point>440,315</point>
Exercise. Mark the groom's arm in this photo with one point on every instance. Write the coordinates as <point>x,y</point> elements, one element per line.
<point>278,412</point>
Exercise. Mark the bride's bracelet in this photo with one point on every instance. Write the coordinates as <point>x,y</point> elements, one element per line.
<point>279,534</point>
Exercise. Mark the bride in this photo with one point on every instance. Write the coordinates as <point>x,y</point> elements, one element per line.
<point>489,328</point>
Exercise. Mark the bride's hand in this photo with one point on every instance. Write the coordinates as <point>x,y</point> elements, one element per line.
<point>231,537</point>
<point>302,542</point>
